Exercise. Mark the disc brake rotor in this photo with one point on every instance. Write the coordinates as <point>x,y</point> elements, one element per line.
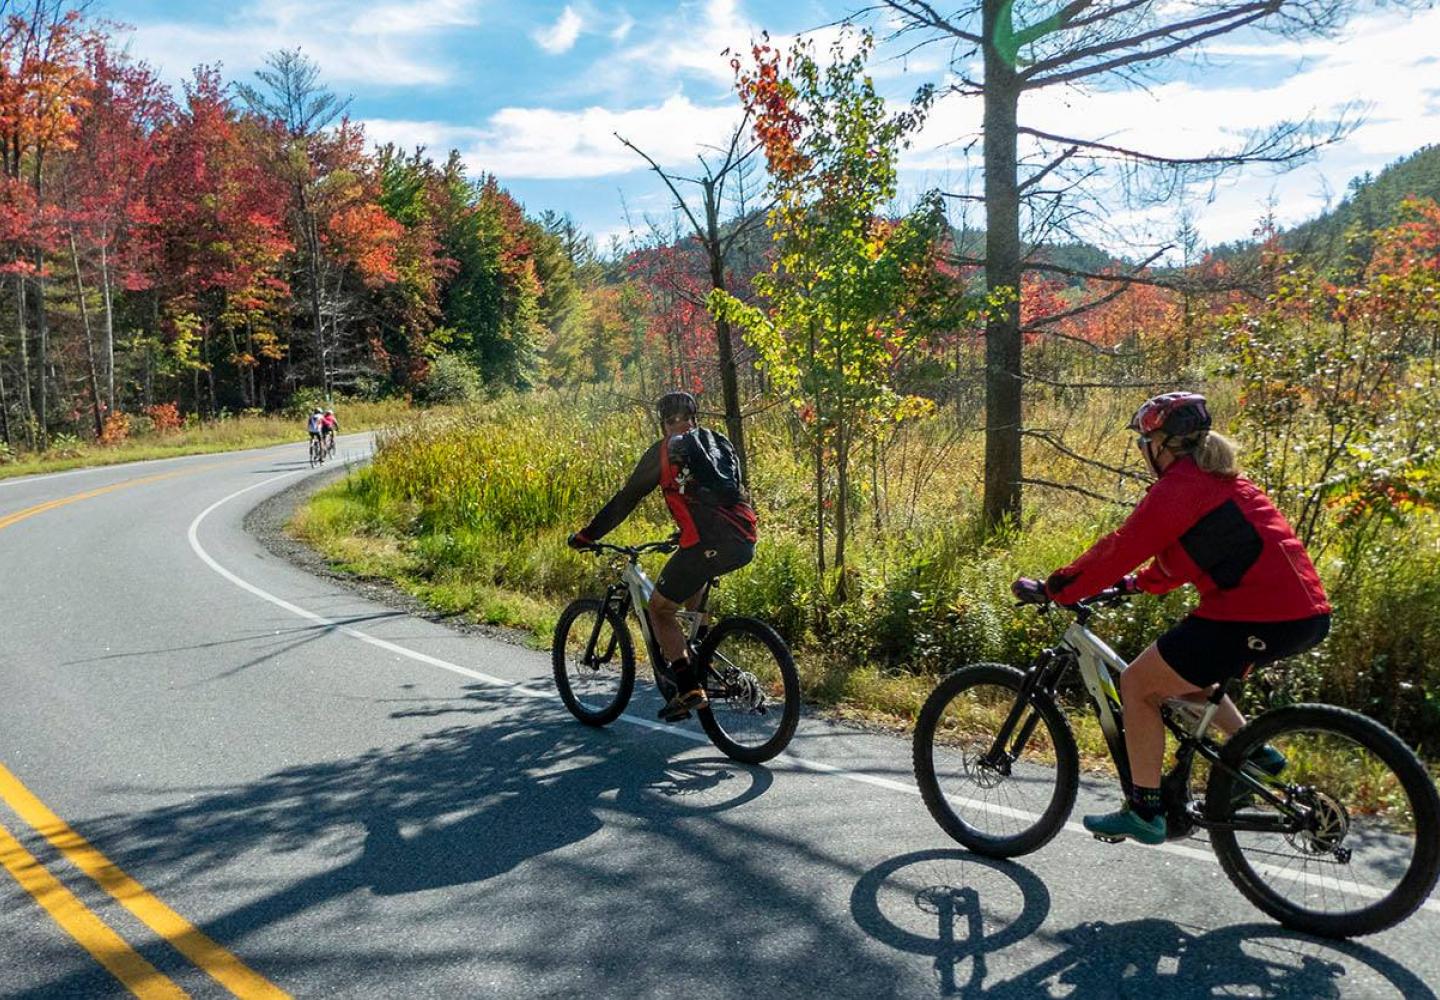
<point>1329,824</point>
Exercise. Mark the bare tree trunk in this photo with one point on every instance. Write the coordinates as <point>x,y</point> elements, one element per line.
<point>724,347</point>
<point>842,505</point>
<point>1002,271</point>
<point>89,344</point>
<point>209,368</point>
<point>312,253</point>
<point>4,408</point>
<point>109,327</point>
<point>28,410</point>
<point>42,327</point>
<point>820,507</point>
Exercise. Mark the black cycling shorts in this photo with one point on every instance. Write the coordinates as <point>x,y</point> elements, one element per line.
<point>690,569</point>
<point>1206,652</point>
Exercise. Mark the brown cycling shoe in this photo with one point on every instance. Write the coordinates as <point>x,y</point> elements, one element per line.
<point>683,704</point>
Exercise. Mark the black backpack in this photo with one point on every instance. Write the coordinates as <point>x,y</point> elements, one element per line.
<point>711,469</point>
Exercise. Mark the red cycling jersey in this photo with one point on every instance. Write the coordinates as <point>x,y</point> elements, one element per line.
<point>1220,533</point>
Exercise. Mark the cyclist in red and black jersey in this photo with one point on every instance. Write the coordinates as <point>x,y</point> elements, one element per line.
<point>699,474</point>
<point>1260,597</point>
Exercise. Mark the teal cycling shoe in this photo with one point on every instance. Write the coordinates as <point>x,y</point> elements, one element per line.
<point>1267,759</point>
<point>1125,824</point>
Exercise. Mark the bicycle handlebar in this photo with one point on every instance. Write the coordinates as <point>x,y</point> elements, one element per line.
<point>1106,598</point>
<point>634,551</point>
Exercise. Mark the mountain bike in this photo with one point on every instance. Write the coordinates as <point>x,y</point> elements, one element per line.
<point>1339,837</point>
<point>317,451</point>
<point>745,667</point>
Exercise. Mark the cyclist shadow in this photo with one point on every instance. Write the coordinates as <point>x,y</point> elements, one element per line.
<point>960,909</point>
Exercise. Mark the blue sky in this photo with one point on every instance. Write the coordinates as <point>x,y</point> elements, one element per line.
<point>533,92</point>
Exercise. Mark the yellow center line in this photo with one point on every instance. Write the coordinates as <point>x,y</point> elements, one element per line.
<point>40,508</point>
<point>99,939</point>
<point>94,935</point>
<point>184,937</point>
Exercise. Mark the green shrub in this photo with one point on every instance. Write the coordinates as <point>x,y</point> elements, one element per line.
<point>452,381</point>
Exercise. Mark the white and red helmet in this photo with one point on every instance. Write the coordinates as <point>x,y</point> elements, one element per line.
<point>1182,415</point>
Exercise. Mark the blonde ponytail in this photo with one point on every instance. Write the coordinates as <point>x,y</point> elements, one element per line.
<point>1215,453</point>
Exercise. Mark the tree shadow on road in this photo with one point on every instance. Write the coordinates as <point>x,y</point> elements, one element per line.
<point>963,910</point>
<point>371,838</point>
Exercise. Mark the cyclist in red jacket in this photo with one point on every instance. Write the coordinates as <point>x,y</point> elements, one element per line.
<point>1260,597</point>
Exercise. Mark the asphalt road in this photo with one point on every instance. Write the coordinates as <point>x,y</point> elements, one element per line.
<point>222,775</point>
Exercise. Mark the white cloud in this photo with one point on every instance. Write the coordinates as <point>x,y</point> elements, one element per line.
<point>540,143</point>
<point>383,43</point>
<point>621,31</point>
<point>560,37</point>
<point>415,17</point>
<point>692,41</point>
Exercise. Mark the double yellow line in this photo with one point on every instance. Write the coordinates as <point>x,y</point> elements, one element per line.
<point>65,908</point>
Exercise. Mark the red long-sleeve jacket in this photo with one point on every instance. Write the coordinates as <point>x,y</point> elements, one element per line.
<point>1220,533</point>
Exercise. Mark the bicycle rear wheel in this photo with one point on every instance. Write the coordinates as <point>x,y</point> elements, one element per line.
<point>1000,804</point>
<point>1363,849</point>
<point>594,662</point>
<point>753,689</point>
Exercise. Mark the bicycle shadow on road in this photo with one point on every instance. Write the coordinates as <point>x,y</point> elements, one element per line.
<point>962,909</point>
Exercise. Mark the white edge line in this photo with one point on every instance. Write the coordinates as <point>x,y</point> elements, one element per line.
<point>517,687</point>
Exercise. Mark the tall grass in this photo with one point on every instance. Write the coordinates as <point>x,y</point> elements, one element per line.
<point>472,511</point>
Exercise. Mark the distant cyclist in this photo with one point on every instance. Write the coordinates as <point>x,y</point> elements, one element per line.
<point>1260,597</point>
<point>316,426</point>
<point>331,427</point>
<point>698,472</point>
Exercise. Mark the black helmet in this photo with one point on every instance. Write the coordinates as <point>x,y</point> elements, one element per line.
<point>676,404</point>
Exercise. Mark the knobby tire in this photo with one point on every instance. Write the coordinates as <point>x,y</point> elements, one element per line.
<point>768,638</point>
<point>582,613</point>
<point>950,815</point>
<point>1419,879</point>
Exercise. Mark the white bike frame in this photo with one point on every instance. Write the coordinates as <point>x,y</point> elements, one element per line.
<point>1099,666</point>
<point>641,588</point>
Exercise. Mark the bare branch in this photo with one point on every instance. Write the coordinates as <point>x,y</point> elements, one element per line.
<point>923,14</point>
<point>1226,21</point>
<point>669,183</point>
<point>1027,481</point>
<point>1059,445</point>
<point>1267,149</point>
<point>1108,14</point>
<point>1108,297</point>
<point>1034,179</point>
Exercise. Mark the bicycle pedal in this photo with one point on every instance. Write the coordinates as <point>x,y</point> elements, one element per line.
<point>1108,840</point>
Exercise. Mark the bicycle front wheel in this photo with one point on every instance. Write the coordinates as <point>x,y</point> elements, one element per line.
<point>594,662</point>
<point>1354,840</point>
<point>753,689</point>
<point>999,790</point>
